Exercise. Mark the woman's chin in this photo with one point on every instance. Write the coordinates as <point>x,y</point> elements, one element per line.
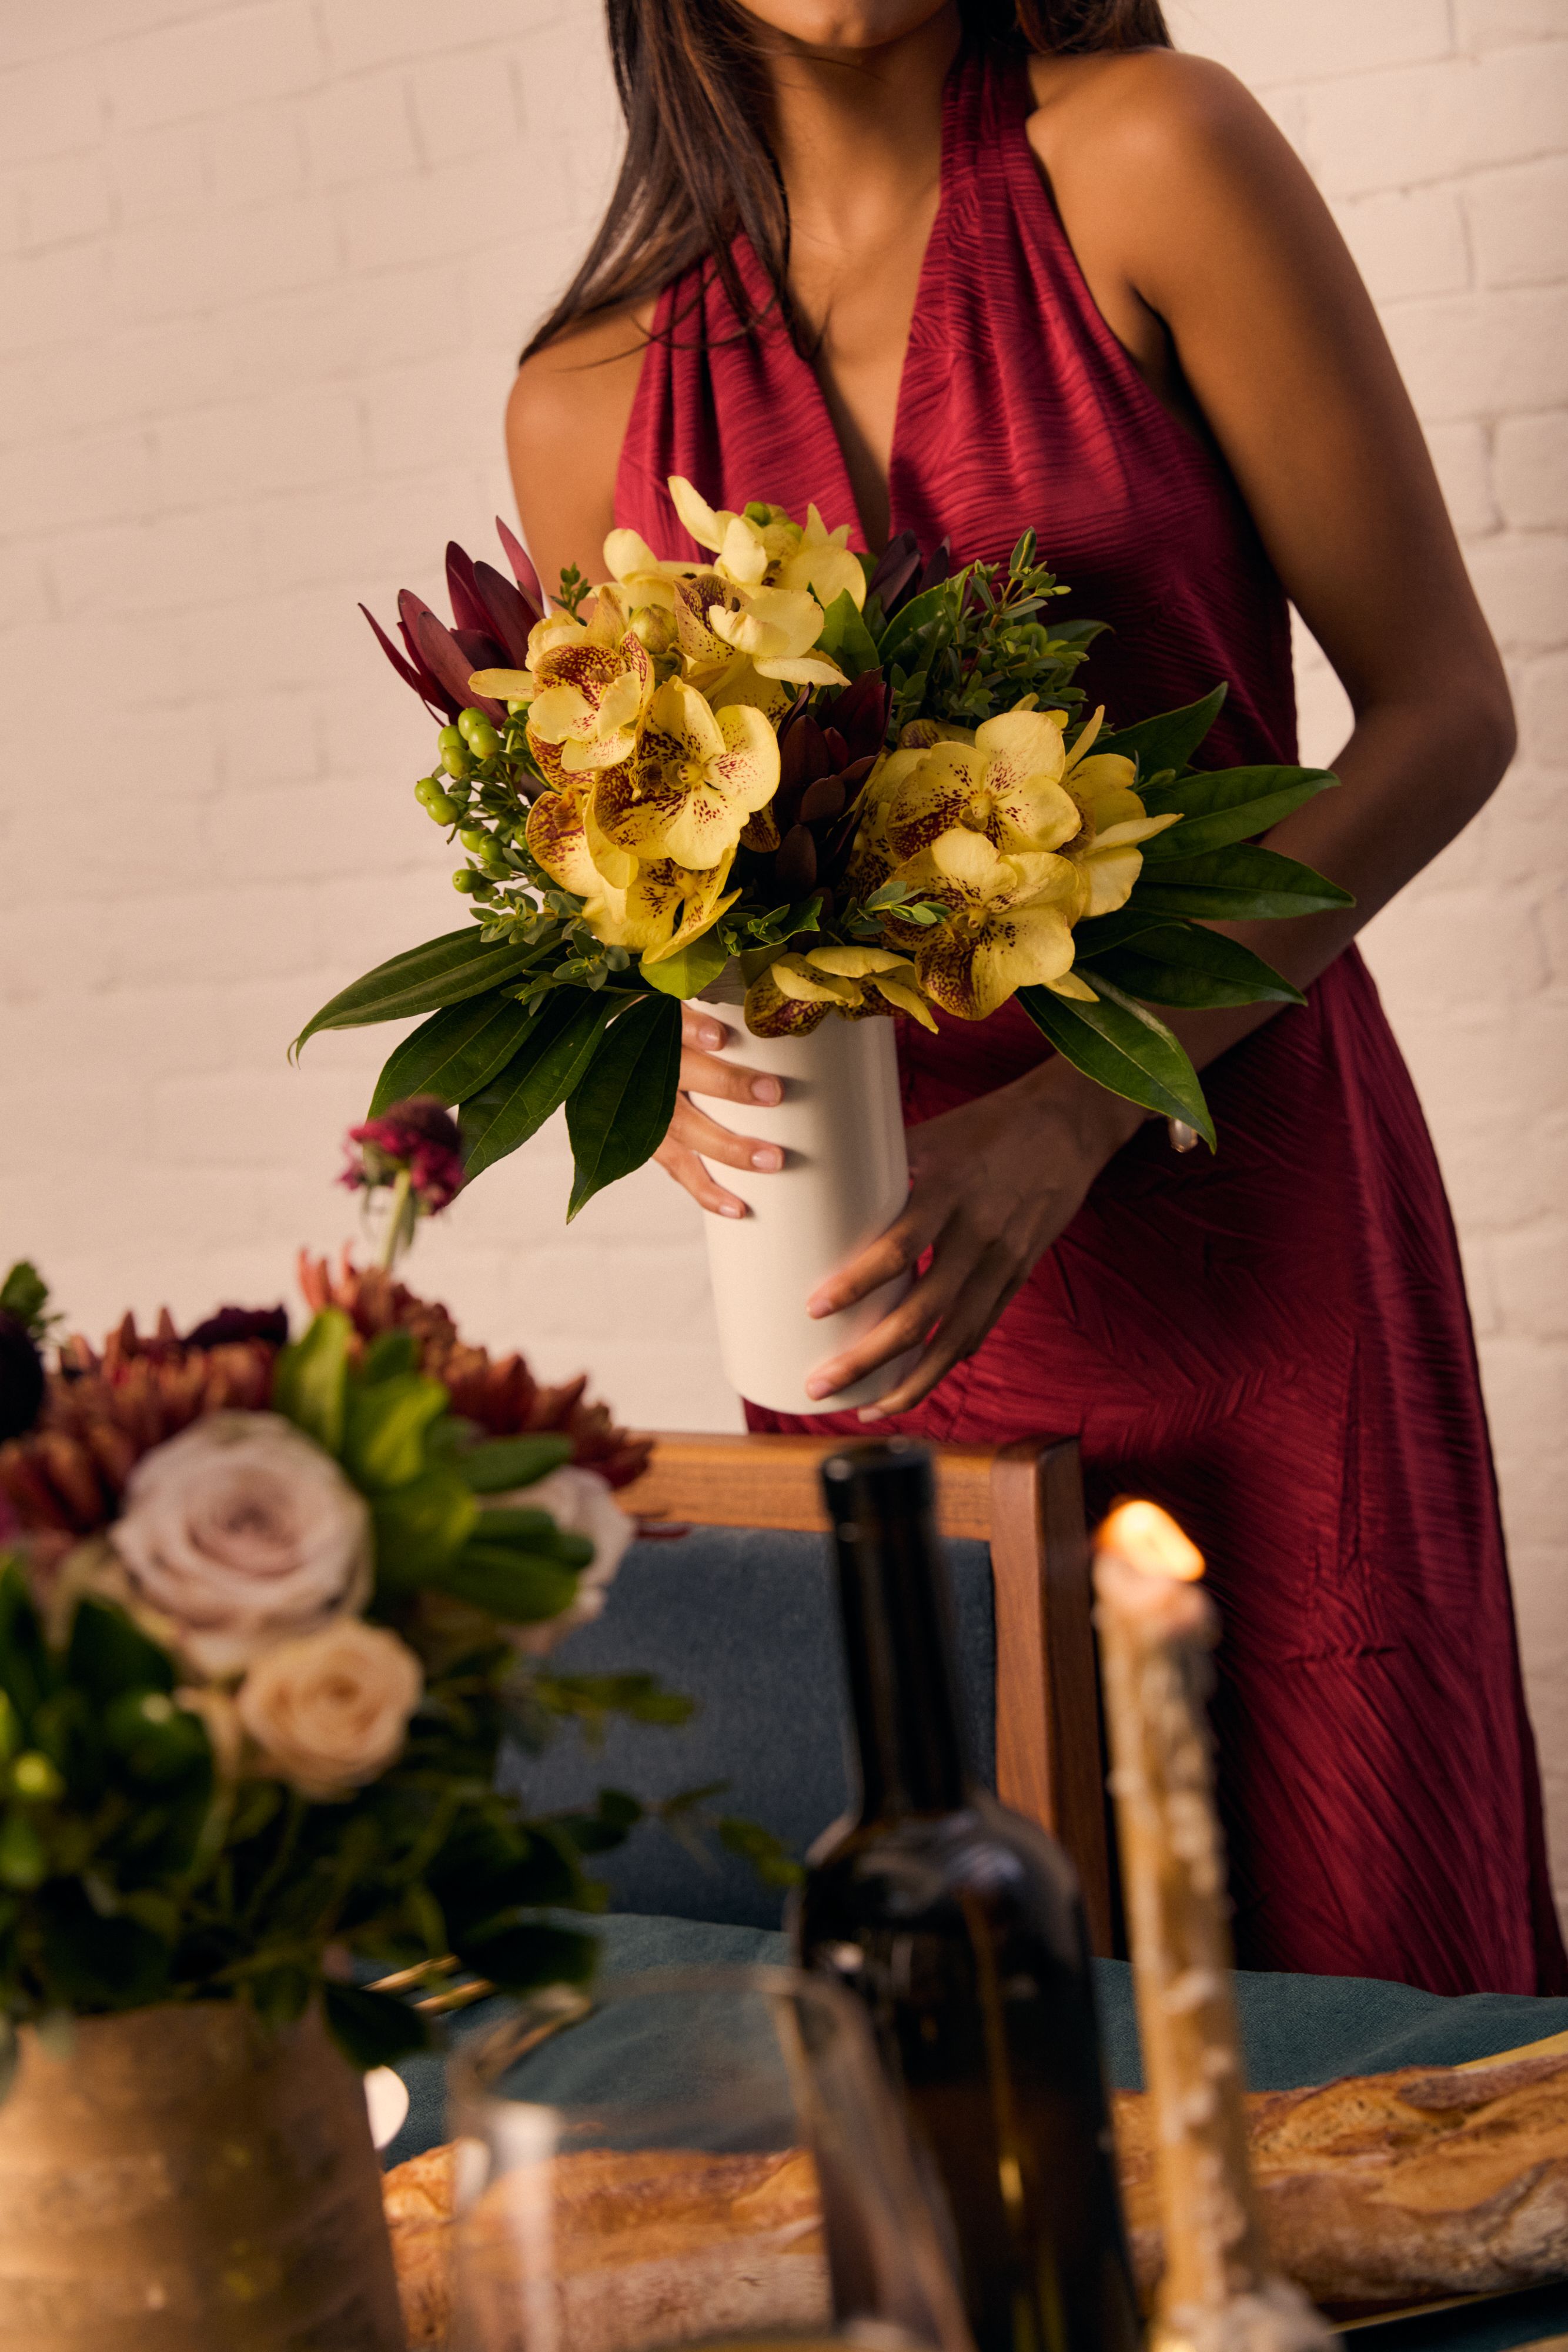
<point>846,24</point>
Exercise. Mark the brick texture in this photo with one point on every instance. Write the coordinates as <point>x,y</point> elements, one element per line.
<point>263,268</point>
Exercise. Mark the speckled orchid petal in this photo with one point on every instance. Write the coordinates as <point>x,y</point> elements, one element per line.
<point>503,685</point>
<point>1103,782</point>
<point>696,778</point>
<point>972,969</point>
<point>695,596</point>
<point>939,788</point>
<point>1108,879</point>
<point>1070,984</point>
<point>1133,829</point>
<point>743,553</point>
<point>1088,735</point>
<point>777,628</point>
<point>587,698</point>
<point>770,1013</point>
<point>797,977</point>
<point>704,901</point>
<point>557,838</point>
<point>640,575</point>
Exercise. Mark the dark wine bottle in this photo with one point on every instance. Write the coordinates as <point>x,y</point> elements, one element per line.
<point>958,1924</point>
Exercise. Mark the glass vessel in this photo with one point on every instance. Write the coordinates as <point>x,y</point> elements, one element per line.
<point>958,1926</point>
<point>694,2156</point>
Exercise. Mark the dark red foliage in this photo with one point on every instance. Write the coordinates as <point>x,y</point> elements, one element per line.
<point>231,1325</point>
<point>490,623</point>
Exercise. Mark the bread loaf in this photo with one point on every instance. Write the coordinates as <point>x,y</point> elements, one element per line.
<point>1389,2189</point>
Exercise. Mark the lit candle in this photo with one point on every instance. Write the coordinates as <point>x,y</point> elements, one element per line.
<point>1218,2291</point>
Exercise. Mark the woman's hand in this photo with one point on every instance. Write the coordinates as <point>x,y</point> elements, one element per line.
<point>691,1132</point>
<point>993,1184</point>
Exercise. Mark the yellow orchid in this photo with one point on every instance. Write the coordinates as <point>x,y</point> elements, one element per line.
<point>642,577</point>
<point>696,776</point>
<point>798,992</point>
<point>777,629</point>
<point>1105,852</point>
<point>1005,785</point>
<point>763,546</point>
<point>1010,927</point>
<point>653,909</point>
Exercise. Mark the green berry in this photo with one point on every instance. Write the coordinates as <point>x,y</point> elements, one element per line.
<point>475,839</point>
<point>33,1775</point>
<point>478,734</point>
<point>469,883</point>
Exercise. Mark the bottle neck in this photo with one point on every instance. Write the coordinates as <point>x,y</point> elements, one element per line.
<point>893,1597</point>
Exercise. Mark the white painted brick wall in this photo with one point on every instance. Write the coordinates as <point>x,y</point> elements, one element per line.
<point>264,267</point>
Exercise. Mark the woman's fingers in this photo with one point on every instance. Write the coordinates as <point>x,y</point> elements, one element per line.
<point>702,1037</point>
<point>701,1074</point>
<point>991,1290</point>
<point>905,1326</point>
<point>892,1253</point>
<point>677,1161</point>
<point>698,1132</point>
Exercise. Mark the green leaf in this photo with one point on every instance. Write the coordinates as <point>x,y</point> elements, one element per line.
<point>421,1528</point>
<point>155,1740</point>
<point>521,1588</point>
<point>387,1355</point>
<point>845,637</point>
<point>902,635</point>
<point>1235,883</point>
<point>384,1430</point>
<point>24,1671</point>
<point>107,1653</point>
<point>1178,963</point>
<point>1125,1049</point>
<point>25,1294</point>
<point>310,1378</point>
<point>620,1113</point>
<point>769,1856</point>
<point>534,1531</point>
<point>90,1962</point>
<point>694,968</point>
<point>1231,804</point>
<point>372,2029</point>
<point>446,971</point>
<point>541,1074</point>
<point>523,1958</point>
<point>456,1052</point>
<point>506,1462</point>
<point>1167,740</point>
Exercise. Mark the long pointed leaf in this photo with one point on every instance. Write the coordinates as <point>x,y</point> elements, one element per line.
<point>446,971</point>
<point>1235,804</point>
<point>1181,963</point>
<point>456,1052</point>
<point>899,637</point>
<point>1123,1047</point>
<point>845,639</point>
<point>538,1079</point>
<point>1239,882</point>
<point>1167,740</point>
<point>618,1113</point>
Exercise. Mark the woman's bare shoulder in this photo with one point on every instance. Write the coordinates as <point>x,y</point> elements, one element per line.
<point>1154,102</point>
<point>566,418</point>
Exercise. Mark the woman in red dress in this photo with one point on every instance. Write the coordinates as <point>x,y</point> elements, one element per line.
<point>951,267</point>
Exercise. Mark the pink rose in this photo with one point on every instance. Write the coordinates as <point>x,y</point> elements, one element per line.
<point>240,1532</point>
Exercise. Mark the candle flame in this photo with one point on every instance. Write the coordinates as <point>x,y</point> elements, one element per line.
<point>1149,1540</point>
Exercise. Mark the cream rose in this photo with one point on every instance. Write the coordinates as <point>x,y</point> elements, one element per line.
<point>240,1532</point>
<point>580,1502</point>
<point>330,1710</point>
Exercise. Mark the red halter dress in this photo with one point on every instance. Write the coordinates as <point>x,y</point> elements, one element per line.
<point>1273,1342</point>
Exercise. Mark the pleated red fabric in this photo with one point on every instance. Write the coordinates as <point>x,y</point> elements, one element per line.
<point>1274,1343</point>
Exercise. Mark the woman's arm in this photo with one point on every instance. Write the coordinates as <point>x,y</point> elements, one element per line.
<point>1206,242</point>
<point>566,419</point>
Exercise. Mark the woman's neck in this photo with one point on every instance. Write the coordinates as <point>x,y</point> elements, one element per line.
<point>858,135</point>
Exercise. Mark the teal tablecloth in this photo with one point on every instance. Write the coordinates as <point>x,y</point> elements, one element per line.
<point>1295,2029</point>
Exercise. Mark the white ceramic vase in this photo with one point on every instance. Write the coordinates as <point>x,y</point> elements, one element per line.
<point>845,1177</point>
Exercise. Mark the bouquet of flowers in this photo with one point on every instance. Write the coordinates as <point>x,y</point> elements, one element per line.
<point>267,1609</point>
<point>874,788</point>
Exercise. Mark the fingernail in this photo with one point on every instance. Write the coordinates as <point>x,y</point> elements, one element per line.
<point>818,1306</point>
<point>818,1386</point>
<point>710,1034</point>
<point>732,1209</point>
<point>767,1090</point>
<point>768,1157</point>
<point>871,1413</point>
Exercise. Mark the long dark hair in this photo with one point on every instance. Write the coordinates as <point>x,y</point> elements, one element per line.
<point>700,167</point>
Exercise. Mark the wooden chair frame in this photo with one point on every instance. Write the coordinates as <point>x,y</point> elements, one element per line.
<point>1026,1502</point>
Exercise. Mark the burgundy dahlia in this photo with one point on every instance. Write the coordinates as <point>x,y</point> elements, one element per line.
<point>417,1138</point>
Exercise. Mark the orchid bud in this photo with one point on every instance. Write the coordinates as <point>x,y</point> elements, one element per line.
<point>478,734</point>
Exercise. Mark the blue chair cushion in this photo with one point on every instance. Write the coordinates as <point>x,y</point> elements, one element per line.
<point>745,1622</point>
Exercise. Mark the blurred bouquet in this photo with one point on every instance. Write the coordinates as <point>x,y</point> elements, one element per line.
<point>871,789</point>
<point>268,1609</point>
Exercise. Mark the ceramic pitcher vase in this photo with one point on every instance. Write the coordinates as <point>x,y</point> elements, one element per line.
<point>185,2179</point>
<point>845,1177</point>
